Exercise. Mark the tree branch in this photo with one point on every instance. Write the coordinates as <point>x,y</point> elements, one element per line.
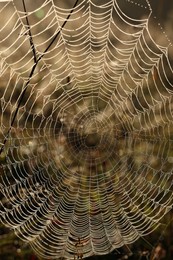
<point>30,34</point>
<point>36,61</point>
<point>55,37</point>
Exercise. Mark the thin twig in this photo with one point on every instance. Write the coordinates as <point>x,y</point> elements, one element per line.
<point>36,61</point>
<point>30,34</point>
<point>53,40</point>
<point>17,108</point>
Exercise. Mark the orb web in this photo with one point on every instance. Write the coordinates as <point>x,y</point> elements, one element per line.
<point>85,124</point>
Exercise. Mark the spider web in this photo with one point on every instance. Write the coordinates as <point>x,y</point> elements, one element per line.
<point>85,124</point>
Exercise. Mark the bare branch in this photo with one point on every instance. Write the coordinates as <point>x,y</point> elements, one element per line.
<point>30,34</point>
<point>36,61</point>
<point>55,37</point>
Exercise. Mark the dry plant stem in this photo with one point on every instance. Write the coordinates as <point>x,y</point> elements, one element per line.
<point>36,61</point>
<point>29,33</point>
